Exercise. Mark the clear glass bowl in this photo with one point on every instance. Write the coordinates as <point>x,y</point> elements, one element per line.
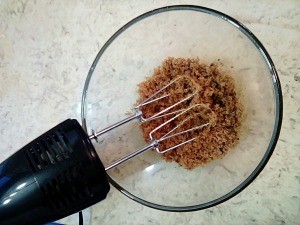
<point>131,54</point>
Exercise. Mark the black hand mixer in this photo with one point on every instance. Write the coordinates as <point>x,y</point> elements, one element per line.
<point>60,173</point>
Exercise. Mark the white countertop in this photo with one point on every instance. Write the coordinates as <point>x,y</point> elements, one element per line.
<point>47,47</point>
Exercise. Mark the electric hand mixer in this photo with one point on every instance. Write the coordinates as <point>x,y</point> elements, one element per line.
<point>60,173</point>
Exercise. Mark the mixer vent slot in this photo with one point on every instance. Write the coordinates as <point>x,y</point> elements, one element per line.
<point>49,151</point>
<point>68,188</point>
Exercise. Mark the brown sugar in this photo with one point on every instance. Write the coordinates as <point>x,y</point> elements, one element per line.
<point>217,104</point>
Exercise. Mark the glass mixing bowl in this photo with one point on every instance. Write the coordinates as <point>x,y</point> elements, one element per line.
<point>131,55</point>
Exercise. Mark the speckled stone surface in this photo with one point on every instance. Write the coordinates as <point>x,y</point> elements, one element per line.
<point>46,49</point>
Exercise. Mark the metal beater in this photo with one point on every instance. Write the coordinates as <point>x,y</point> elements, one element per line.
<point>138,114</point>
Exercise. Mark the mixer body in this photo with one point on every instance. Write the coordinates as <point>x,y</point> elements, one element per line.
<point>54,176</point>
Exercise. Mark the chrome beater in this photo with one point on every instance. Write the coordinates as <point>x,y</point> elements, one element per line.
<point>138,114</point>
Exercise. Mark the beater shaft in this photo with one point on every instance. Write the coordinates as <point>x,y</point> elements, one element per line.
<point>95,135</point>
<point>131,155</point>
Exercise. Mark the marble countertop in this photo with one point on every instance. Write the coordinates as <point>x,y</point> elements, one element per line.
<point>46,49</point>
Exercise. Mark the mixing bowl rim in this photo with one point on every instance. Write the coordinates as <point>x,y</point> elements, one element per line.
<point>278,100</point>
